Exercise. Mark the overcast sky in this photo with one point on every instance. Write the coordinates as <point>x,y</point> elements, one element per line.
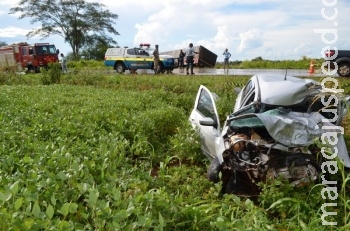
<point>272,29</point>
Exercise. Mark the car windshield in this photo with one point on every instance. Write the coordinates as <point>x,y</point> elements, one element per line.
<point>45,49</point>
<point>149,51</point>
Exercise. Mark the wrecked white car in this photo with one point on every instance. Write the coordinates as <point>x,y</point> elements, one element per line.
<point>275,130</point>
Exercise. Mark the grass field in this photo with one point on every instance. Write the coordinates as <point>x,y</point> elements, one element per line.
<point>88,151</point>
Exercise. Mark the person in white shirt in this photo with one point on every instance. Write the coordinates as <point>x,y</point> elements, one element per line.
<point>63,63</point>
<point>227,57</point>
<point>189,58</point>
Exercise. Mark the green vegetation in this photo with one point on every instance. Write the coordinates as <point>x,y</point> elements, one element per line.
<point>92,151</point>
<point>260,63</point>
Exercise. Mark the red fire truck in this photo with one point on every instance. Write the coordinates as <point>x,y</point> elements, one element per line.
<point>25,57</point>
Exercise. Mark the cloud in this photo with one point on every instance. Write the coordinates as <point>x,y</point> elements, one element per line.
<point>272,29</point>
<point>223,36</point>
<point>147,33</point>
<point>302,49</point>
<point>250,40</point>
<point>12,32</point>
<point>7,3</point>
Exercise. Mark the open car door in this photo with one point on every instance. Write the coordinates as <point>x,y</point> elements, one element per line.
<point>204,118</point>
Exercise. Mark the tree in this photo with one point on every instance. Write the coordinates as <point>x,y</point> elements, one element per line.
<point>96,49</point>
<point>259,58</point>
<point>2,44</point>
<point>79,22</point>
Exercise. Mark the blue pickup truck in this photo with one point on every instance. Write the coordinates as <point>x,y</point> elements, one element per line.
<point>122,59</point>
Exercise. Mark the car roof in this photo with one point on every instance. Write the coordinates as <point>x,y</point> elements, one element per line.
<point>284,90</point>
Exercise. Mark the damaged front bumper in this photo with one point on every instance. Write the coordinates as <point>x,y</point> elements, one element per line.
<point>273,144</point>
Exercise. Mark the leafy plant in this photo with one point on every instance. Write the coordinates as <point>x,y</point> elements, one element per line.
<point>116,152</point>
<point>52,74</point>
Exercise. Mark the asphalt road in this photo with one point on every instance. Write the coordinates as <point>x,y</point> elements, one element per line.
<point>214,71</point>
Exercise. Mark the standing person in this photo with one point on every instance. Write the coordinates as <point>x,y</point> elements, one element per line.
<point>181,60</point>
<point>156,59</point>
<point>189,58</point>
<point>63,63</point>
<point>226,60</point>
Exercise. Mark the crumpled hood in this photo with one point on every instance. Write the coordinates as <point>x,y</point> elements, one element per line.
<point>285,92</point>
<point>294,129</point>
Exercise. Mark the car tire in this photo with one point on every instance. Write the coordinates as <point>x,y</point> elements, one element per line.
<point>344,69</point>
<point>161,68</point>
<point>120,68</point>
<point>213,170</point>
<point>230,187</point>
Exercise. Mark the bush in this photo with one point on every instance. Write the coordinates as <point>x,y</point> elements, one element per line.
<point>52,74</point>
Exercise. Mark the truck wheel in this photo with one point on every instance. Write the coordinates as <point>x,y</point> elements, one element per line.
<point>120,68</point>
<point>213,170</point>
<point>160,68</point>
<point>344,69</point>
<point>30,69</point>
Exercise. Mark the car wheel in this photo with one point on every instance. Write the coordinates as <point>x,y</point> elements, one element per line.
<point>344,69</point>
<point>120,68</point>
<point>161,68</point>
<point>213,170</point>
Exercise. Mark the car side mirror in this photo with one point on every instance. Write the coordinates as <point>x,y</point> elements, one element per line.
<point>237,90</point>
<point>57,51</point>
<point>207,121</point>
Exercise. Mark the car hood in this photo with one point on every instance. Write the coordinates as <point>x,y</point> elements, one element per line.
<point>287,91</point>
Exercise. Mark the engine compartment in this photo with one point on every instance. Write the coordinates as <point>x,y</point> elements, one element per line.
<point>252,156</point>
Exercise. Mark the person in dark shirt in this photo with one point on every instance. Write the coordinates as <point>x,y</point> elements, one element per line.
<point>181,59</point>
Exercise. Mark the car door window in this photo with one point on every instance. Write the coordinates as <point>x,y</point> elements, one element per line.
<point>142,52</point>
<point>31,51</point>
<point>24,51</point>
<point>131,51</point>
<point>247,104</point>
<point>249,98</point>
<point>205,105</point>
<point>247,89</point>
<point>210,134</point>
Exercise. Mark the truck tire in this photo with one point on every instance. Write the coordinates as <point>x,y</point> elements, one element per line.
<point>30,69</point>
<point>213,170</point>
<point>120,68</point>
<point>344,69</point>
<point>161,68</point>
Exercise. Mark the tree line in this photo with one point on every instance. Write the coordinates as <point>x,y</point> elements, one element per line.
<point>86,26</point>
